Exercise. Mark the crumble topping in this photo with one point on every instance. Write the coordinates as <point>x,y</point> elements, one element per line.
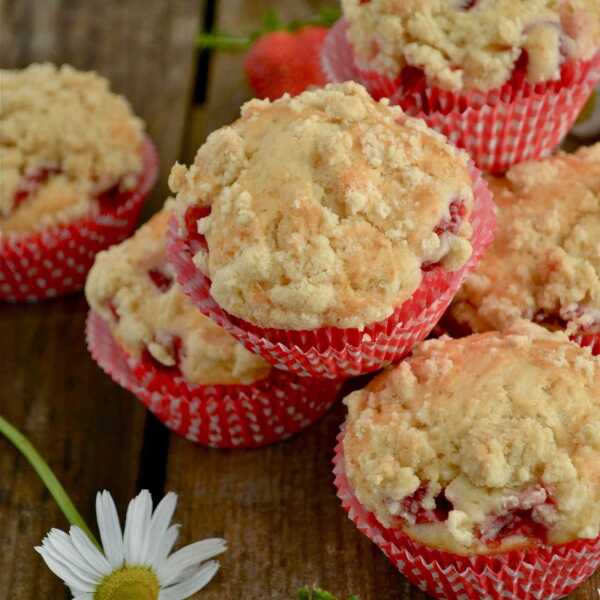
<point>472,45</point>
<point>64,139</point>
<point>499,450</point>
<point>324,208</point>
<point>544,264</point>
<point>133,288</point>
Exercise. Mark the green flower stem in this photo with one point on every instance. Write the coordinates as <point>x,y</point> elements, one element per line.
<point>223,41</point>
<point>47,476</point>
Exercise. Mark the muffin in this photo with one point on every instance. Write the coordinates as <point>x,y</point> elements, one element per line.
<point>475,465</point>
<point>504,79</point>
<point>146,334</point>
<point>327,232</point>
<point>76,167</point>
<point>544,264</point>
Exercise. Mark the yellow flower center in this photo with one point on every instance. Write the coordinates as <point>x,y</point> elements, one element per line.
<point>129,583</point>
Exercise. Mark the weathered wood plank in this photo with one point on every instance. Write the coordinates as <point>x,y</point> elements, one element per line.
<point>277,506</point>
<point>90,430</point>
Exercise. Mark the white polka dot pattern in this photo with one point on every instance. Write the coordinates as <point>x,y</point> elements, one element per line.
<point>497,130</point>
<point>55,261</point>
<point>220,416</point>
<point>335,353</point>
<point>542,573</point>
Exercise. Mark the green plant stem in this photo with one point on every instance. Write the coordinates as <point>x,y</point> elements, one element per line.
<point>224,41</point>
<point>47,476</point>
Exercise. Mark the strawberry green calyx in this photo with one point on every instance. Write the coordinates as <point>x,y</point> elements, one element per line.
<point>271,22</point>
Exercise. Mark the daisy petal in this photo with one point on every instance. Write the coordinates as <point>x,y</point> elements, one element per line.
<point>137,523</point>
<point>88,551</point>
<point>110,529</point>
<point>65,572</point>
<point>165,545</point>
<point>61,547</point>
<point>194,554</point>
<point>190,586</point>
<point>161,519</point>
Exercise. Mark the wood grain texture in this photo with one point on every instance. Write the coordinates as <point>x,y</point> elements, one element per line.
<point>89,429</point>
<point>144,47</point>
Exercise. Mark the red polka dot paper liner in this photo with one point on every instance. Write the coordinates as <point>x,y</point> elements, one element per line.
<point>219,416</point>
<point>541,573</point>
<point>55,261</point>
<point>330,352</point>
<point>498,128</point>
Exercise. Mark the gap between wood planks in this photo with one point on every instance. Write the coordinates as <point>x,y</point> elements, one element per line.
<point>155,446</point>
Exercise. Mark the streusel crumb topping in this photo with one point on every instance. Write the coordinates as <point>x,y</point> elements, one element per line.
<point>544,264</point>
<point>482,444</point>
<point>133,288</point>
<point>472,44</point>
<point>324,208</point>
<point>64,138</point>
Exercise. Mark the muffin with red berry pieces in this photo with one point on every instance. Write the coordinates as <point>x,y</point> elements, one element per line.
<point>544,264</point>
<point>327,232</point>
<point>504,79</point>
<point>149,337</point>
<point>76,167</point>
<point>475,465</point>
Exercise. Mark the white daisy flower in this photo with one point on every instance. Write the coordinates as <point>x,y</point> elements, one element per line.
<point>135,565</point>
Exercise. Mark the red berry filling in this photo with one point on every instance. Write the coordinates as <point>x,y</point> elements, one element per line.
<point>458,212</point>
<point>524,515</point>
<point>192,216</point>
<point>176,351</point>
<point>160,279</point>
<point>31,182</point>
<point>413,510</point>
<point>467,4</point>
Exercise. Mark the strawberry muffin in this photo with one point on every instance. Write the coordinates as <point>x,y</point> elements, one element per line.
<point>475,465</point>
<point>544,264</point>
<point>76,167</point>
<point>146,333</point>
<point>327,231</point>
<point>504,79</point>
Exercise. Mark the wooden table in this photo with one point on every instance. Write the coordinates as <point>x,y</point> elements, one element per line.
<point>276,507</point>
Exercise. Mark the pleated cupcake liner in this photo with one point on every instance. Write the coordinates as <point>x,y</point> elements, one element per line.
<point>219,416</point>
<point>54,261</point>
<point>536,573</point>
<point>498,128</point>
<point>329,352</point>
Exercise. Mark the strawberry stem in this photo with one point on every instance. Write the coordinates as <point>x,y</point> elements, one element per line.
<point>271,22</point>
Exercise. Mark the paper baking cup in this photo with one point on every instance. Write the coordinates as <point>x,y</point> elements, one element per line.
<point>220,416</point>
<point>498,128</point>
<point>55,261</point>
<point>329,352</point>
<point>541,573</point>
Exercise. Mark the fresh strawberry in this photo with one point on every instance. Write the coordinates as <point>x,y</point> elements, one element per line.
<point>283,62</point>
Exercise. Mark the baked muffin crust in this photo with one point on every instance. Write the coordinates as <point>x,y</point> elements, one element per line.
<point>133,288</point>
<point>472,44</point>
<point>469,438</point>
<point>544,263</point>
<point>323,209</point>
<point>64,138</point>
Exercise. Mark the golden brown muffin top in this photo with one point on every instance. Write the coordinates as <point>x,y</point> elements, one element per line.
<point>324,209</point>
<point>64,138</point>
<point>466,437</point>
<point>133,288</point>
<point>544,264</point>
<point>472,44</point>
